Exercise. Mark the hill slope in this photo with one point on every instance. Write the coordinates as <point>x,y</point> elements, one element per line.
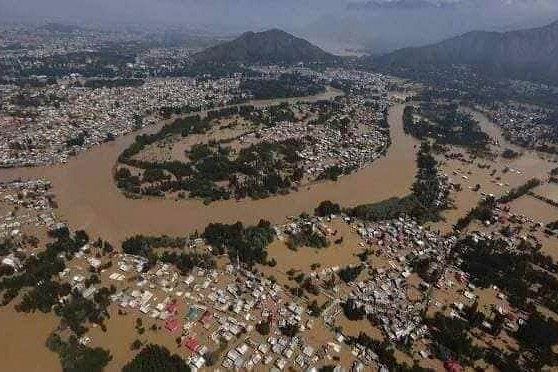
<point>273,46</point>
<point>526,54</point>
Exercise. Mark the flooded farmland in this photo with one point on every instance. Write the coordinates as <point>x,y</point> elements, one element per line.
<point>88,198</point>
<point>508,173</point>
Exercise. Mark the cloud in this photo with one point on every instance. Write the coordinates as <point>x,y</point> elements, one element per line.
<point>399,4</point>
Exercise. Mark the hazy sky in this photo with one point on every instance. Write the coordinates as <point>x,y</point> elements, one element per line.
<point>227,12</point>
<point>378,24</point>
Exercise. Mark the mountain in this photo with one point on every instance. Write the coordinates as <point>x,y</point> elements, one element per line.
<point>530,54</point>
<point>272,46</point>
<point>382,26</point>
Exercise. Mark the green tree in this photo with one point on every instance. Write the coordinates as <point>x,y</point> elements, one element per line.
<point>155,358</point>
<point>75,357</point>
<point>263,328</point>
<point>426,187</point>
<point>327,208</point>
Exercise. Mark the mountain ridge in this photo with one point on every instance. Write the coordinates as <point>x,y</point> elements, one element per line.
<point>270,46</point>
<point>530,54</point>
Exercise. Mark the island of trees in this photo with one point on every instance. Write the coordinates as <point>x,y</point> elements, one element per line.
<point>256,171</point>
<point>286,85</point>
<point>216,170</point>
<point>445,124</point>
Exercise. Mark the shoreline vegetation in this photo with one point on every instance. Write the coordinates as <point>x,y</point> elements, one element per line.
<point>428,199</point>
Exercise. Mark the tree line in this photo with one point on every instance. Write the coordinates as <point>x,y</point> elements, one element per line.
<point>286,85</point>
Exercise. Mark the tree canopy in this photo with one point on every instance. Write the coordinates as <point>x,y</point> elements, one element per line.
<point>155,358</point>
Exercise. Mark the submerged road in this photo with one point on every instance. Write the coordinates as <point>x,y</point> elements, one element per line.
<point>88,198</point>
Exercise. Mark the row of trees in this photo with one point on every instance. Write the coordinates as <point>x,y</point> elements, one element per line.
<point>385,352</point>
<point>307,237</point>
<point>327,208</point>
<point>76,357</point>
<point>334,172</point>
<point>140,244</point>
<point>427,186</point>
<point>484,211</point>
<point>248,244</point>
<point>76,311</point>
<point>426,201</point>
<point>156,358</point>
<point>167,249</point>
<point>349,274</point>
<point>519,191</point>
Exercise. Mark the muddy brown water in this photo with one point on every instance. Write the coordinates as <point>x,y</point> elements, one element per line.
<point>88,198</point>
<point>23,343</point>
<point>529,164</point>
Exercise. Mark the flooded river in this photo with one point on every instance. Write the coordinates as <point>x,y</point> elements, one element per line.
<point>88,198</point>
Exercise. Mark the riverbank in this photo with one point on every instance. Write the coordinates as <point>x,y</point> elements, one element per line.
<point>88,198</point>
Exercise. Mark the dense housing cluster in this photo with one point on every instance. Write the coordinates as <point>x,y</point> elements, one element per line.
<point>25,205</point>
<point>385,297</point>
<point>75,118</point>
<point>531,127</point>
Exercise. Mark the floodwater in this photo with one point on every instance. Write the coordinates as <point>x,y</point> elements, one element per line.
<point>23,341</point>
<point>88,198</point>
<point>527,166</point>
<point>534,208</point>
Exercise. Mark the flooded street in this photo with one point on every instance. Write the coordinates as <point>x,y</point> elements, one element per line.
<point>88,198</point>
